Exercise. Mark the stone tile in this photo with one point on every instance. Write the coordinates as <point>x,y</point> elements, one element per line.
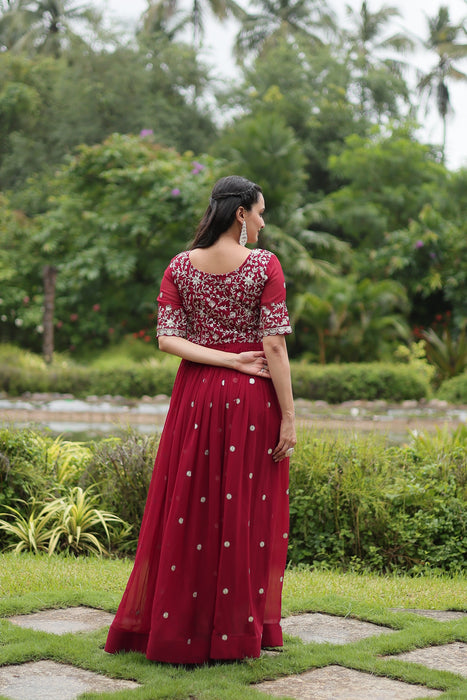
<point>65,620</point>
<point>47,680</point>
<point>440,615</point>
<point>448,657</point>
<point>336,682</point>
<point>318,627</point>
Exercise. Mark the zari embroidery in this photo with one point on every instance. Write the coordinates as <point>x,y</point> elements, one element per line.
<point>223,308</point>
<point>171,321</point>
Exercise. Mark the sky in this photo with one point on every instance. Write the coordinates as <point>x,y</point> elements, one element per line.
<point>218,42</point>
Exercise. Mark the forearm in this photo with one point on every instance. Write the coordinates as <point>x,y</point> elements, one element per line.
<point>196,353</point>
<point>275,350</point>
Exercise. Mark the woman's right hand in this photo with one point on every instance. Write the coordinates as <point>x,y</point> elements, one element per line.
<point>252,362</point>
<point>287,439</point>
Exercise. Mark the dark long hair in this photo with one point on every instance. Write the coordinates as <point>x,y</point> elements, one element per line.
<point>227,195</point>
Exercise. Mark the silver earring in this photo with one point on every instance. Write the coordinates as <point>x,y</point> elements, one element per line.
<point>243,234</point>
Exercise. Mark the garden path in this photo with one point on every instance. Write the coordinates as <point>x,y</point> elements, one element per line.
<point>48,680</point>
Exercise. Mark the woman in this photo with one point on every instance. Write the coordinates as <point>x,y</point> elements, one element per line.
<point>208,572</point>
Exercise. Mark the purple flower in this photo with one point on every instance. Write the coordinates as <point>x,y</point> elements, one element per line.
<point>197,167</point>
<point>433,256</point>
<point>146,132</point>
<point>175,192</point>
<point>419,244</point>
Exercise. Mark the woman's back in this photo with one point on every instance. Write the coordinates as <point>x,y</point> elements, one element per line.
<point>218,259</point>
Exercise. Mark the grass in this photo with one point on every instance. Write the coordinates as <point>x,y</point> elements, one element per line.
<point>29,583</point>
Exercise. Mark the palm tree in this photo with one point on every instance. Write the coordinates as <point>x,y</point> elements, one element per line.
<point>162,19</point>
<point>197,16</point>
<point>308,19</point>
<point>378,76</point>
<point>47,25</point>
<point>220,9</point>
<point>379,309</point>
<point>353,320</point>
<point>166,17</point>
<point>443,40</point>
<point>14,23</point>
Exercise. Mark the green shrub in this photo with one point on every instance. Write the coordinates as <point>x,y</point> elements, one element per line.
<point>121,469</point>
<point>71,524</point>
<point>33,463</point>
<point>337,498</point>
<point>454,390</point>
<point>16,381</point>
<point>447,352</point>
<point>129,350</point>
<point>35,466</point>
<point>21,455</point>
<point>365,381</point>
<point>359,503</point>
<point>17,357</point>
<point>139,380</point>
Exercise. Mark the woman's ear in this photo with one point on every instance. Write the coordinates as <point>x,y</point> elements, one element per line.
<point>240,215</point>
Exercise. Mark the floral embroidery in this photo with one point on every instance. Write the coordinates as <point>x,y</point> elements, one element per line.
<point>275,319</point>
<point>222,308</point>
<point>171,321</point>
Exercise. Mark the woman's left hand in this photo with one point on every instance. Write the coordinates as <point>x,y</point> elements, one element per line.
<point>253,362</point>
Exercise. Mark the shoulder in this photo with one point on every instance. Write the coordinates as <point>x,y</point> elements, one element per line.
<point>262,257</point>
<point>267,260</point>
<point>180,260</point>
<point>178,265</point>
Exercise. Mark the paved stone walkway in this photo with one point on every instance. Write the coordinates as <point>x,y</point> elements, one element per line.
<point>47,680</point>
<point>344,683</point>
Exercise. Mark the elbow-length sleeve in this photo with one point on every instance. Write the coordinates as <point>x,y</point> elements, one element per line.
<point>171,316</point>
<point>274,317</point>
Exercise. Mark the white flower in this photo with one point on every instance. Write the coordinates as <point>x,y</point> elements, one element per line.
<point>18,322</point>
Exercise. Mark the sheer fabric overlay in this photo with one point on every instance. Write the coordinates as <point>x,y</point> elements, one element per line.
<point>208,573</point>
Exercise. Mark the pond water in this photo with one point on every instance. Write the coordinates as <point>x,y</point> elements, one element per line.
<point>78,419</point>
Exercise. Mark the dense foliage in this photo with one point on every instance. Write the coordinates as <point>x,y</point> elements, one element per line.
<point>355,502</point>
<point>454,390</point>
<point>108,148</point>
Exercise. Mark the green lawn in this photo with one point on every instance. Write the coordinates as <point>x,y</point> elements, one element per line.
<point>29,583</point>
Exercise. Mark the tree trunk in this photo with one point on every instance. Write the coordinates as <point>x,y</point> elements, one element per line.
<point>49,277</point>
<point>443,151</point>
<point>322,346</point>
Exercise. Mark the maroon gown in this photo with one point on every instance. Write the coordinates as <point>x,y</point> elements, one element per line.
<point>208,572</point>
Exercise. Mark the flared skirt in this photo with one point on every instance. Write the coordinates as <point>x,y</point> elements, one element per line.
<point>209,567</point>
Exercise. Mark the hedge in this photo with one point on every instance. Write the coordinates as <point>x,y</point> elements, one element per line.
<point>81,381</point>
<point>331,383</point>
<point>366,381</point>
<point>454,390</point>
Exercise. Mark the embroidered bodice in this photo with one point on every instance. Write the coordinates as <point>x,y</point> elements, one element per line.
<point>239,306</point>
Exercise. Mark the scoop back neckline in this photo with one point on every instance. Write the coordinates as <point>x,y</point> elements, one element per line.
<point>219,274</point>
